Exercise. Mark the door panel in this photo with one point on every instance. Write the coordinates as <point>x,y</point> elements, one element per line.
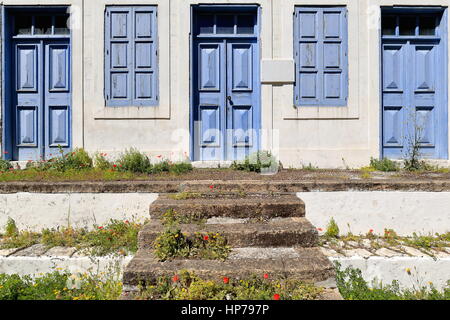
<point>411,99</point>
<point>242,99</point>
<point>209,114</point>
<point>414,84</point>
<point>57,98</point>
<point>28,100</point>
<point>42,98</point>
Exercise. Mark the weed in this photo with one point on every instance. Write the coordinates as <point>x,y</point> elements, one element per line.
<point>332,229</point>
<point>185,195</point>
<point>256,162</point>
<point>352,286</point>
<point>172,243</point>
<point>187,286</point>
<point>101,163</point>
<point>385,165</point>
<point>5,165</point>
<point>171,218</point>
<point>134,161</point>
<point>58,286</point>
<point>11,229</point>
<point>115,237</point>
<point>309,167</point>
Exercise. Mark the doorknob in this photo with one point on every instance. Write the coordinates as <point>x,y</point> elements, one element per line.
<point>229,99</point>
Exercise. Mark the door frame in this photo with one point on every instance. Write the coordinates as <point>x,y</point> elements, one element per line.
<point>7,125</point>
<point>443,72</point>
<point>195,8</point>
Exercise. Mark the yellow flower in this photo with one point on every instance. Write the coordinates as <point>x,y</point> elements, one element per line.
<point>408,270</point>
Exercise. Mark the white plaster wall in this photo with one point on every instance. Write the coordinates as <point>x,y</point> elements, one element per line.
<point>35,211</point>
<point>358,212</point>
<point>424,271</point>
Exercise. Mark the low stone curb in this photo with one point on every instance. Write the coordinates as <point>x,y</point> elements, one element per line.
<point>365,250</point>
<point>225,186</point>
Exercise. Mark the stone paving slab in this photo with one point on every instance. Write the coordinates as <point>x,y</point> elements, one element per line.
<point>8,252</point>
<point>60,252</point>
<point>33,251</point>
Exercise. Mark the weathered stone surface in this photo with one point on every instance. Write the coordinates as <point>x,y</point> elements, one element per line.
<point>384,252</point>
<point>352,244</point>
<point>276,233</point>
<point>357,253</point>
<point>330,252</point>
<point>33,251</point>
<point>251,206</point>
<point>272,184</point>
<point>311,266</point>
<point>8,252</point>
<point>413,252</point>
<point>264,253</point>
<point>331,294</point>
<point>61,252</point>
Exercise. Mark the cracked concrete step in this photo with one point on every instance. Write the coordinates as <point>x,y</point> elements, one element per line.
<point>251,206</point>
<point>282,232</point>
<point>306,264</point>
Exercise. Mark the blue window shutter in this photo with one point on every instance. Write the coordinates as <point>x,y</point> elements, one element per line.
<point>321,57</point>
<point>131,77</point>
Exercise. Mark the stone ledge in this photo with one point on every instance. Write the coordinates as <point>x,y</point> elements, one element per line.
<point>249,186</point>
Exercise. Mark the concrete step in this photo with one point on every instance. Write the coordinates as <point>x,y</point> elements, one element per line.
<point>282,232</point>
<point>306,264</point>
<point>262,206</point>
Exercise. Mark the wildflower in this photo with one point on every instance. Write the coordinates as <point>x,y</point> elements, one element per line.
<point>175,278</point>
<point>115,166</point>
<point>226,280</point>
<point>266,276</point>
<point>408,270</point>
<point>206,238</point>
<point>127,222</point>
<point>319,229</point>
<point>371,231</point>
<point>100,228</point>
<point>211,187</point>
<point>276,296</point>
<point>159,156</point>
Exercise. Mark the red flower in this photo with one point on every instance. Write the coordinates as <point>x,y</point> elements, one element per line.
<point>101,228</point>
<point>266,276</point>
<point>319,229</point>
<point>175,278</point>
<point>211,187</point>
<point>276,296</point>
<point>159,156</point>
<point>371,231</point>
<point>206,238</point>
<point>127,222</point>
<point>115,166</point>
<point>226,280</point>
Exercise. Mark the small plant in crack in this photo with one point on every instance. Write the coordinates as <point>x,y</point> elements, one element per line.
<point>172,243</point>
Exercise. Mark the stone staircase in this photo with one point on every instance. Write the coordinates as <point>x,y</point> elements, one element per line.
<point>268,233</point>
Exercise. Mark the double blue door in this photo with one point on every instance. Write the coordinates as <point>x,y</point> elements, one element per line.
<point>226,103</point>
<point>42,98</point>
<point>414,85</point>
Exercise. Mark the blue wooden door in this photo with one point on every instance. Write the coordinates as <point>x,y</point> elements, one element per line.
<point>414,87</point>
<point>226,103</point>
<point>41,106</point>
